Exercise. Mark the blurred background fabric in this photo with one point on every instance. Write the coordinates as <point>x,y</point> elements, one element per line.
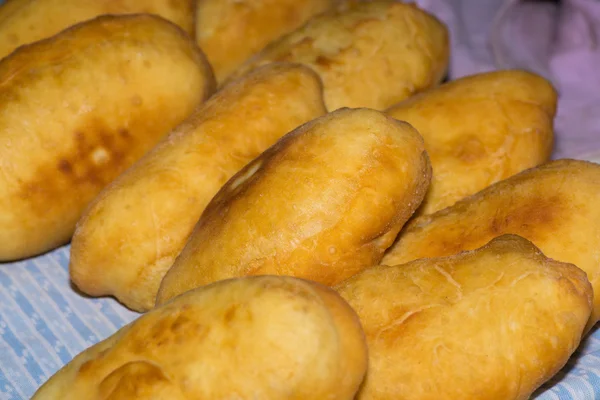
<point>559,40</point>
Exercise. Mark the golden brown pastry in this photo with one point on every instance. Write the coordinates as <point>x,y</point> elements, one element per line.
<point>132,232</point>
<point>27,21</point>
<point>493,324</point>
<point>479,130</point>
<point>323,203</point>
<point>78,109</point>
<point>554,205</point>
<point>369,55</point>
<point>230,31</point>
<point>266,337</point>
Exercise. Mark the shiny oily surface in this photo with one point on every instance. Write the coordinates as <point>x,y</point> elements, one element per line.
<point>263,337</point>
<point>481,129</point>
<point>26,21</point>
<point>494,323</point>
<point>133,231</point>
<point>231,31</point>
<point>79,108</point>
<point>553,205</point>
<point>322,203</point>
<point>371,54</point>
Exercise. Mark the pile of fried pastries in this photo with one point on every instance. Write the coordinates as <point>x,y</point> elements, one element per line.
<point>296,199</point>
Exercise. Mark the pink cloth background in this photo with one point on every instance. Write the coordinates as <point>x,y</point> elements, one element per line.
<point>558,40</point>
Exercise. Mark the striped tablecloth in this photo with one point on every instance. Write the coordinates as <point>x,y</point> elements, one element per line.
<point>44,322</point>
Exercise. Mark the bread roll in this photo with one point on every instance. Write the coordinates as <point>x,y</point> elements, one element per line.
<point>231,31</point>
<point>79,108</point>
<point>322,203</point>
<point>132,232</point>
<point>27,21</point>
<point>555,206</point>
<point>252,338</point>
<point>479,130</point>
<point>371,54</point>
<point>494,323</point>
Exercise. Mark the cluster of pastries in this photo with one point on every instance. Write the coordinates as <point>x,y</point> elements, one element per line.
<point>295,199</point>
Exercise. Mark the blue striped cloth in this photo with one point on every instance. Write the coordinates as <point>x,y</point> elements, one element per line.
<point>44,323</point>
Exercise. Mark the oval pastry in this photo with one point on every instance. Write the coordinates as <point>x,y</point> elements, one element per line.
<point>277,338</point>
<point>322,203</point>
<point>494,323</point>
<point>79,108</point>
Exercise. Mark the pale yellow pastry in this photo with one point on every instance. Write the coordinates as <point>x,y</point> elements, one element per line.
<point>371,54</point>
<point>231,31</point>
<point>479,130</point>
<point>132,232</point>
<point>494,323</point>
<point>555,206</point>
<point>275,338</point>
<point>79,108</point>
<point>27,21</point>
<point>323,203</point>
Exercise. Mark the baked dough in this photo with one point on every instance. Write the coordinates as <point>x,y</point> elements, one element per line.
<point>494,323</point>
<point>479,130</point>
<point>250,338</point>
<point>24,22</point>
<point>130,235</point>
<point>231,31</point>
<point>370,54</point>
<point>322,203</point>
<point>555,206</point>
<point>79,108</point>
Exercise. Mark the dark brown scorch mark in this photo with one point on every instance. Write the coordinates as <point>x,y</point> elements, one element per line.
<point>532,216</point>
<point>100,153</point>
